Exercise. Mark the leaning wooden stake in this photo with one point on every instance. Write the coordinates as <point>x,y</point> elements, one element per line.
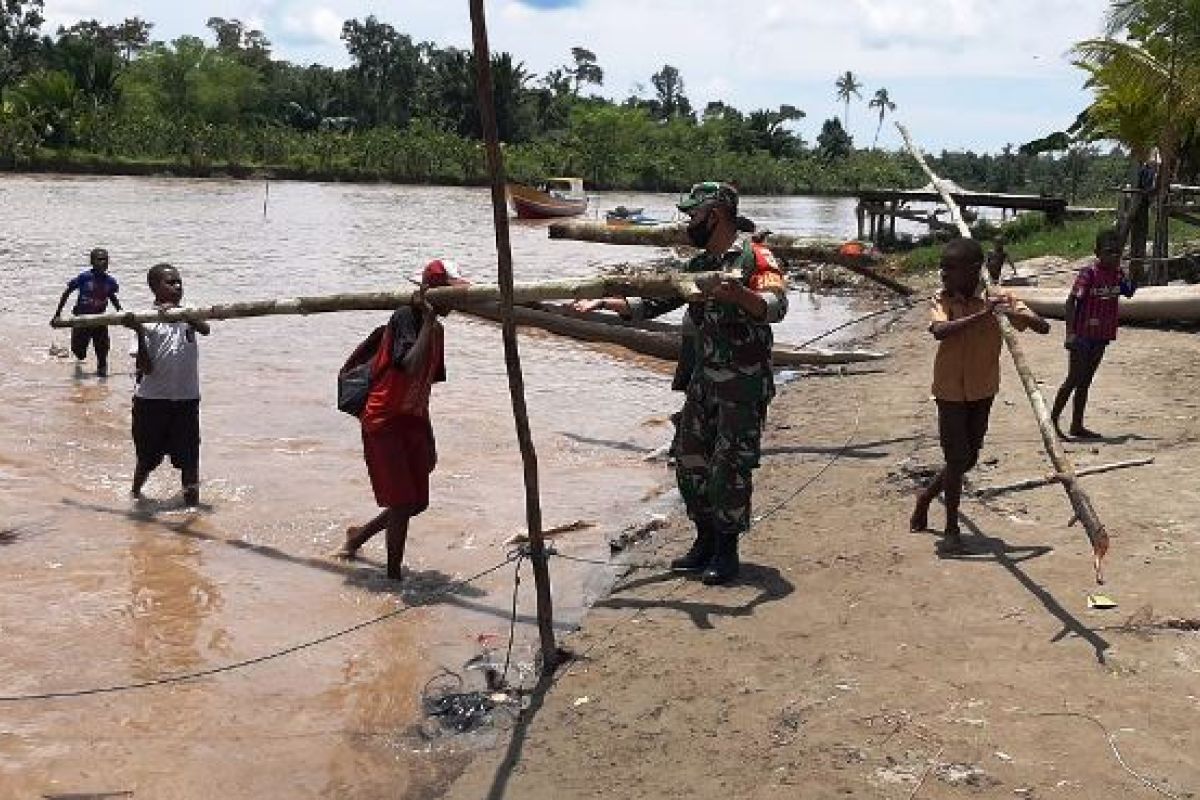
<point>451,297</point>
<point>1080,502</point>
<point>512,356</point>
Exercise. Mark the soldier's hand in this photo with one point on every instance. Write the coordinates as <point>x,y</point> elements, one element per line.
<point>728,290</point>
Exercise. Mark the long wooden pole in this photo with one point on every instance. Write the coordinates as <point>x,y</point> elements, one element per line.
<point>512,356</point>
<point>666,285</point>
<point>782,245</point>
<point>1080,501</point>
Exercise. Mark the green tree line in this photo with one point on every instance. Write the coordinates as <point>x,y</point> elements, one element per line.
<point>108,97</point>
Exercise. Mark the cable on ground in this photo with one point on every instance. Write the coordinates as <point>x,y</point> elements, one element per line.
<point>1112,743</point>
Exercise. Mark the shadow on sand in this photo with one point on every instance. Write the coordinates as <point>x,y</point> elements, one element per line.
<point>979,548</point>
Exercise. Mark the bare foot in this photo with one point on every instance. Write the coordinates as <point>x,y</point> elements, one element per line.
<point>1081,432</point>
<point>349,549</point>
<point>952,541</point>
<point>919,521</point>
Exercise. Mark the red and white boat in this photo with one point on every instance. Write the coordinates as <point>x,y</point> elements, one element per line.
<point>556,197</point>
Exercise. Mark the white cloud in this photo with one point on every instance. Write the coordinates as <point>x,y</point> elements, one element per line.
<point>310,26</point>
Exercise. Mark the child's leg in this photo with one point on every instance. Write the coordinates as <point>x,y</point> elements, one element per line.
<point>397,535</point>
<point>358,535</point>
<point>1091,362</point>
<point>79,342</point>
<point>101,343</point>
<point>190,479</point>
<point>140,473</point>
<point>919,521</point>
<point>1077,368</point>
<point>966,456</point>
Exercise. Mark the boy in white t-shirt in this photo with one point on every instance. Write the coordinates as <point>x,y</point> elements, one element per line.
<point>166,403</point>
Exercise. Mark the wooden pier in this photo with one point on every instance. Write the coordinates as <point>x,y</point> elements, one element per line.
<point>878,209</point>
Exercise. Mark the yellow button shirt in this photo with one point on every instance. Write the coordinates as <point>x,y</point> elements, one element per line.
<point>967,365</point>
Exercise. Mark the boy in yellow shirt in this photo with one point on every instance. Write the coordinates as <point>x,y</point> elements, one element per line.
<point>966,373</point>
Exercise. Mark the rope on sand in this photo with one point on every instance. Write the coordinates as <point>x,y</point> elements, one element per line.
<point>1112,743</point>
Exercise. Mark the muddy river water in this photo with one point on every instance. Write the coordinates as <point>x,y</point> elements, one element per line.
<point>95,591</point>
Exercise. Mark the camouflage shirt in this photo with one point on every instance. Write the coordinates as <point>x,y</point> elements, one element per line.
<point>727,347</point>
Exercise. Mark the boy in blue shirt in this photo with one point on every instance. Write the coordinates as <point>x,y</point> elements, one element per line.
<point>96,288</point>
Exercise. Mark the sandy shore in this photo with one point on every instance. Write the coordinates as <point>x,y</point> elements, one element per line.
<point>854,660</point>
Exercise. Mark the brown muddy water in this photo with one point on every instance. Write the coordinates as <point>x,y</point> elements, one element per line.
<point>95,591</point>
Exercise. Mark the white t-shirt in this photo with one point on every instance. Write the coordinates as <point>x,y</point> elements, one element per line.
<point>174,361</point>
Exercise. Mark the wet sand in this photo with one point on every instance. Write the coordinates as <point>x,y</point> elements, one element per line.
<point>853,659</point>
<point>98,591</point>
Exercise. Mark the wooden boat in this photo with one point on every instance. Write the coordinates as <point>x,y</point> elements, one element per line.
<point>1151,303</point>
<point>556,197</point>
<point>658,339</point>
<point>622,216</point>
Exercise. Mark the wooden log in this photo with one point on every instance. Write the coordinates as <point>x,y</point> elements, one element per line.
<point>1080,501</point>
<point>825,251</point>
<point>1046,480</point>
<point>657,339</point>
<point>666,285</point>
<point>1151,303</point>
<point>512,358</point>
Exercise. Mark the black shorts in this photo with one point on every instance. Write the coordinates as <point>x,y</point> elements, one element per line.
<point>166,428</point>
<point>80,337</point>
<point>961,428</point>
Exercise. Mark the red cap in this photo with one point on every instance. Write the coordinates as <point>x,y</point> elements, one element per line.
<point>441,272</point>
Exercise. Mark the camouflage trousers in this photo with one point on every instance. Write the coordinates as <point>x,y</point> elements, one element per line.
<point>716,449</point>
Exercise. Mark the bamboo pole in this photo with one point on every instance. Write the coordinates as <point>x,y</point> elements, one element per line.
<point>667,285</point>
<point>1046,480</point>
<point>660,340</point>
<point>1080,501</point>
<point>782,245</point>
<point>512,356</point>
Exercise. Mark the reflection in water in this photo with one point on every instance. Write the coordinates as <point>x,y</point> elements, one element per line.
<point>170,599</point>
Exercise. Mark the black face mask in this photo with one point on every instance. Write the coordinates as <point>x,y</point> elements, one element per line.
<point>699,232</point>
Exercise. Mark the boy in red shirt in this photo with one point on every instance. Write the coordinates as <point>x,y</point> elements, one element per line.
<point>1091,316</point>
<point>398,443</point>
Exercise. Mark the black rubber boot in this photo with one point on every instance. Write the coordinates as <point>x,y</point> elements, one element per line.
<point>701,552</point>
<point>724,564</point>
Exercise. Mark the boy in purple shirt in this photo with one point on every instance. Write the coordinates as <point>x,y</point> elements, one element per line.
<point>96,288</point>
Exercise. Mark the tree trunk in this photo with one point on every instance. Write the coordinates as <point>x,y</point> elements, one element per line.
<point>669,285</point>
<point>657,339</point>
<point>1080,501</point>
<point>787,247</point>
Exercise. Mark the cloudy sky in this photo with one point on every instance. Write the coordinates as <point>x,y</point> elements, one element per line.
<point>964,73</point>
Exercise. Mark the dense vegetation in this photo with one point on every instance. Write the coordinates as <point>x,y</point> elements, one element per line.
<point>107,98</point>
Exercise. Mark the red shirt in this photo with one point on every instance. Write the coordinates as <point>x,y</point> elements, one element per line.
<point>396,394</point>
<point>1097,291</point>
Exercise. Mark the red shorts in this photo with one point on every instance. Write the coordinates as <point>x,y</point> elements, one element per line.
<point>399,460</point>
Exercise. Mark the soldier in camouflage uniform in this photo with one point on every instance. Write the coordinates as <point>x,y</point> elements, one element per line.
<point>725,371</point>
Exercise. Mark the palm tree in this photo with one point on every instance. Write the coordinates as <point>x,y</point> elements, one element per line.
<point>1147,86</point>
<point>884,103</point>
<point>847,86</point>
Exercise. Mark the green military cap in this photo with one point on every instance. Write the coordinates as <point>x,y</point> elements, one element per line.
<point>713,192</point>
